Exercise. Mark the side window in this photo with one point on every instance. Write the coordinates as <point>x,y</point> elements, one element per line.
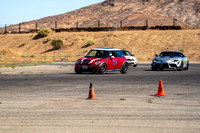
<point>119,54</point>
<point>112,53</point>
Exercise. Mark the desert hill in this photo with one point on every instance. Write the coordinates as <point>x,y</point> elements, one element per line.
<point>131,12</point>
<point>143,44</point>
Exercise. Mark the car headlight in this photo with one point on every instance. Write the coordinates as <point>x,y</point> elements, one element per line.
<point>178,61</point>
<point>97,62</point>
<point>157,61</point>
<point>78,61</point>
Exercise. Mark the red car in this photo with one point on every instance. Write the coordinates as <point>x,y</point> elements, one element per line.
<point>102,60</point>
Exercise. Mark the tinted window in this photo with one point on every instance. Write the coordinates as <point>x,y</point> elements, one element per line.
<point>126,53</point>
<point>119,53</point>
<point>171,54</point>
<point>97,53</point>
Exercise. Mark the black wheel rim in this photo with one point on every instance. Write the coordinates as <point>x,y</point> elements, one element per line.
<point>125,67</point>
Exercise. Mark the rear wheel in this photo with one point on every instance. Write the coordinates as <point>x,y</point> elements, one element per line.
<point>124,68</point>
<point>135,65</point>
<point>154,68</point>
<point>103,68</point>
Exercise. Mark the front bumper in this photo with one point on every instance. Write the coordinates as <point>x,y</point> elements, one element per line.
<point>86,68</point>
<point>167,65</point>
<point>132,62</point>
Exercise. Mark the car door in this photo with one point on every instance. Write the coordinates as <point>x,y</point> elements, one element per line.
<point>112,60</point>
<point>119,59</point>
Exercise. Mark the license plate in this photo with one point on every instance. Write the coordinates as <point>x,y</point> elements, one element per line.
<point>84,67</point>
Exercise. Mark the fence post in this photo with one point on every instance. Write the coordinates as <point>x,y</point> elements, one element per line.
<point>77,24</point>
<point>54,54</point>
<point>174,22</point>
<point>98,24</point>
<point>5,28</point>
<point>19,27</point>
<point>121,22</point>
<point>147,23</point>
<point>45,53</point>
<point>56,24</point>
<point>61,54</point>
<point>36,25</point>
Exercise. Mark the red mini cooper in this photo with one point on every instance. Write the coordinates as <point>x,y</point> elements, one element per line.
<point>102,60</point>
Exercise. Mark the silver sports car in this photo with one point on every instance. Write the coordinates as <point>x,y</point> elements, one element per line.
<point>170,60</point>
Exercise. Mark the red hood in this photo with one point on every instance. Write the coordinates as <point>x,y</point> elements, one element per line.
<point>88,60</point>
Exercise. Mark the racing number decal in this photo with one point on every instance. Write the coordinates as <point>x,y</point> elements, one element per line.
<point>114,62</point>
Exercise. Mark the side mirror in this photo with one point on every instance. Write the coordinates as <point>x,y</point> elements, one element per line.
<point>183,55</point>
<point>156,55</point>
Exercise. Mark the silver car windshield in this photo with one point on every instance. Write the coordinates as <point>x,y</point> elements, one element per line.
<point>170,54</point>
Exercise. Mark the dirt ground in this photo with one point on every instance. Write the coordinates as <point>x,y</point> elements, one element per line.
<point>52,99</point>
<point>143,44</point>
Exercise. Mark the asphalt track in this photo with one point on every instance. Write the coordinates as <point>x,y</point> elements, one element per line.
<point>56,102</point>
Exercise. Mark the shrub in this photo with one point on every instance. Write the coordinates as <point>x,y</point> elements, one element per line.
<point>90,42</point>
<point>47,40</point>
<point>57,44</point>
<point>182,50</point>
<point>27,55</point>
<point>44,32</point>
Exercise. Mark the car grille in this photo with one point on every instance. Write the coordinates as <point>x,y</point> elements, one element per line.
<point>165,65</point>
<point>173,65</point>
<point>86,61</point>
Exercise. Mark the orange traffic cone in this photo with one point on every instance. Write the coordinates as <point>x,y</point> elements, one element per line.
<point>91,93</point>
<point>160,89</point>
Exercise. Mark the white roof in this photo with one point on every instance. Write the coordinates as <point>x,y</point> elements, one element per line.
<point>106,49</point>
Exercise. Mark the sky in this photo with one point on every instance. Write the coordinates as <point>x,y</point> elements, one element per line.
<point>17,11</point>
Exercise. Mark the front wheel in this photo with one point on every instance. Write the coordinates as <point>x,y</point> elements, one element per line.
<point>135,65</point>
<point>187,66</point>
<point>103,68</point>
<point>180,68</point>
<point>124,68</point>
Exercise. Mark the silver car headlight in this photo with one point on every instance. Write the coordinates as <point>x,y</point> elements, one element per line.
<point>97,62</point>
<point>78,61</point>
<point>178,61</point>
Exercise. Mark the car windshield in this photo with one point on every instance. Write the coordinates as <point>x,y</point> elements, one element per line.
<point>170,54</point>
<point>127,53</point>
<point>97,53</point>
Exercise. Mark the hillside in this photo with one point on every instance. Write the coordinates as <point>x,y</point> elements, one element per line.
<point>131,12</point>
<point>143,44</point>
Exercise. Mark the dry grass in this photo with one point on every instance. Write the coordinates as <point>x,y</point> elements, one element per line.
<point>143,44</point>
